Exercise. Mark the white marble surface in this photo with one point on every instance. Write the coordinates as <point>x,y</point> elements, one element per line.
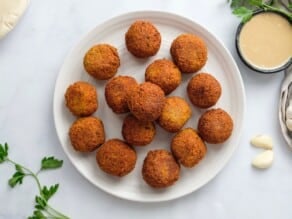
<point>30,58</point>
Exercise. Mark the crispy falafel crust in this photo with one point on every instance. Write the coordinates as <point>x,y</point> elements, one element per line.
<point>175,113</point>
<point>188,148</point>
<point>87,134</point>
<point>143,39</point>
<point>146,101</point>
<point>160,169</point>
<point>136,132</point>
<point>215,126</point>
<point>189,52</point>
<point>116,158</point>
<point>204,90</point>
<point>81,98</point>
<point>117,91</point>
<point>165,74</point>
<point>102,61</point>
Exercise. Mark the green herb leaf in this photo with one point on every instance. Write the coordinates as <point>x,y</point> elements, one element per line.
<point>37,215</point>
<point>41,203</point>
<point>48,193</point>
<point>51,163</point>
<point>290,6</point>
<point>244,13</point>
<point>257,3</point>
<point>3,152</point>
<point>16,179</point>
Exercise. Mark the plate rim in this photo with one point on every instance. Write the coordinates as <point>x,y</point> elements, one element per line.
<point>153,13</point>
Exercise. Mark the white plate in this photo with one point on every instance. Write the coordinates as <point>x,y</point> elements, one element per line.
<point>220,64</point>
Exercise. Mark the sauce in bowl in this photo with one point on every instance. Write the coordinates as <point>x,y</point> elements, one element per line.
<point>265,42</point>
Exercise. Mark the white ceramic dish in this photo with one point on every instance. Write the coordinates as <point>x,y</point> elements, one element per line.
<point>220,64</point>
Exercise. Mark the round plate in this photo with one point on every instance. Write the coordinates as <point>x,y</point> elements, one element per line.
<point>220,64</point>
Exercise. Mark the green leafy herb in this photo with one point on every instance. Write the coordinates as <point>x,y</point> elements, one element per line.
<point>51,163</point>
<point>42,208</point>
<point>244,9</point>
<point>48,193</point>
<point>3,152</point>
<point>243,13</point>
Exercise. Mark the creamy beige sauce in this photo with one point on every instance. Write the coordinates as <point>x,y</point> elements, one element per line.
<point>266,40</point>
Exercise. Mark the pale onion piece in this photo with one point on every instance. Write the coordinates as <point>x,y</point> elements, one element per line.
<point>10,12</point>
<point>264,159</point>
<point>289,111</point>
<point>262,141</point>
<point>289,124</point>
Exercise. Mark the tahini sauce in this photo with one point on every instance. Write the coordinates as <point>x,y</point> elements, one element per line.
<point>266,40</point>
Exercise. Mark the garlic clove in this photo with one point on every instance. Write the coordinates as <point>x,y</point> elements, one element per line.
<point>262,141</point>
<point>263,160</point>
<point>289,124</point>
<point>289,111</point>
<point>10,12</point>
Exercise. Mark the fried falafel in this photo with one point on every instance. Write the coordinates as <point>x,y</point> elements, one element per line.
<point>204,90</point>
<point>116,158</point>
<point>175,113</point>
<point>146,101</point>
<point>81,99</point>
<point>137,132</point>
<point>215,126</point>
<point>87,134</point>
<point>165,74</point>
<point>143,39</point>
<point>117,91</point>
<point>188,148</point>
<point>102,61</point>
<point>160,169</point>
<point>189,52</point>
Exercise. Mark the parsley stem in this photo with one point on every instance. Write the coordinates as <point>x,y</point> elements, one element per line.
<point>54,214</point>
<point>266,6</point>
<point>62,216</point>
<point>30,173</point>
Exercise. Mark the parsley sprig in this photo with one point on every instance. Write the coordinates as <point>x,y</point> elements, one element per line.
<point>244,9</point>
<point>42,208</point>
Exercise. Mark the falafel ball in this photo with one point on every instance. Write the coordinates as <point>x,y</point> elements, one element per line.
<point>189,52</point>
<point>160,169</point>
<point>81,98</point>
<point>204,90</point>
<point>143,39</point>
<point>87,134</point>
<point>165,74</point>
<point>137,132</point>
<point>146,101</point>
<point>188,148</point>
<point>117,91</point>
<point>116,158</point>
<point>215,126</point>
<point>102,61</point>
<point>175,113</point>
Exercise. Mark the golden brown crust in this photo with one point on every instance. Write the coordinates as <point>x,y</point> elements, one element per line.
<point>87,134</point>
<point>160,169</point>
<point>175,113</point>
<point>116,158</point>
<point>136,132</point>
<point>204,90</point>
<point>146,101</point>
<point>143,39</point>
<point>215,126</point>
<point>189,52</point>
<point>188,148</point>
<point>81,98</point>
<point>102,61</point>
<point>165,74</point>
<point>117,91</point>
